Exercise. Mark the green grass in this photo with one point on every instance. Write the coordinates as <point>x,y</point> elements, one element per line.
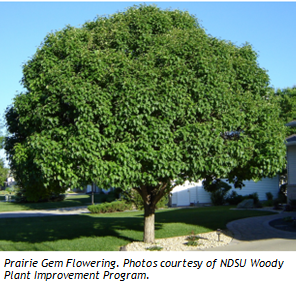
<point>107,232</point>
<point>70,201</point>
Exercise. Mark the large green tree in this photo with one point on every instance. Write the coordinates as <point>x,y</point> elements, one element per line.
<point>143,100</point>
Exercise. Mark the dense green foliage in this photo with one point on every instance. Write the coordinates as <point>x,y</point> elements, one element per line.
<point>3,172</point>
<point>139,99</point>
<point>218,191</point>
<point>286,99</point>
<point>115,206</point>
<point>3,169</point>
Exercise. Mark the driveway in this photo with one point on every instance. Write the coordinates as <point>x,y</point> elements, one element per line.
<point>255,234</point>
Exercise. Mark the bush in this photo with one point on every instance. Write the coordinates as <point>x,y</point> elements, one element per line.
<point>291,206</point>
<point>110,196</point>
<point>12,189</point>
<point>20,197</point>
<point>255,197</point>
<point>269,196</point>
<point>218,191</point>
<point>276,204</point>
<point>283,188</point>
<point>281,194</point>
<point>234,198</point>
<point>116,206</point>
<point>270,201</point>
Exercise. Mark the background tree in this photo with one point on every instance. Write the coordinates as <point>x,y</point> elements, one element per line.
<point>3,172</point>
<point>3,169</point>
<point>286,99</point>
<point>142,100</point>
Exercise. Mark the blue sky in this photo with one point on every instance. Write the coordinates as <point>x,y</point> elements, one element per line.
<point>270,27</point>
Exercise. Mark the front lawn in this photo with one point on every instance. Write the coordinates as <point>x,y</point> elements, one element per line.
<point>70,201</point>
<point>107,232</point>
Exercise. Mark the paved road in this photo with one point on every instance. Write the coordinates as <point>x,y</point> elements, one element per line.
<point>45,213</point>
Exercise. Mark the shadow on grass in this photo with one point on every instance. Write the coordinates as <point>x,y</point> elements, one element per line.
<point>126,226</point>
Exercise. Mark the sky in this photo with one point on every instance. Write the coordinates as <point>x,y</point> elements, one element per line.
<point>270,27</point>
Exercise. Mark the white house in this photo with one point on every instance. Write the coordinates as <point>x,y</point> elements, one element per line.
<point>194,193</point>
<point>291,164</point>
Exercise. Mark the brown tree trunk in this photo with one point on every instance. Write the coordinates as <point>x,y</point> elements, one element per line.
<point>149,223</point>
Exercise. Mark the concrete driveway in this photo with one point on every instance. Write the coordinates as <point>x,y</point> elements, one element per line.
<point>255,234</point>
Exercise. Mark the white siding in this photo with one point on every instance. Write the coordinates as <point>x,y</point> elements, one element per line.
<point>291,158</point>
<point>261,187</point>
<point>97,190</point>
<point>194,192</point>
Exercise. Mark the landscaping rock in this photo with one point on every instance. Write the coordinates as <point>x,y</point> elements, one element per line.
<point>246,204</point>
<point>207,240</point>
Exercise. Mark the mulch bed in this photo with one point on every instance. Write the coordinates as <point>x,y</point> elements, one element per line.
<point>285,224</point>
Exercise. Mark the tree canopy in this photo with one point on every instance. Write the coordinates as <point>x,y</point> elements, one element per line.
<point>143,99</point>
<point>286,99</point>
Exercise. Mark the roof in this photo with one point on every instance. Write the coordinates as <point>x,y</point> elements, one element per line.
<point>291,123</point>
<point>291,138</point>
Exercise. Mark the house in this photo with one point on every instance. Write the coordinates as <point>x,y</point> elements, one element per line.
<point>291,164</point>
<point>194,193</point>
<point>90,188</point>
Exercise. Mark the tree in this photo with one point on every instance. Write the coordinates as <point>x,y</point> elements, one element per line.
<point>142,100</point>
<point>286,99</point>
<point>3,172</point>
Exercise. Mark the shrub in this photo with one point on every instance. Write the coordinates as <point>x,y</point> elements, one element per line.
<point>12,189</point>
<point>281,194</point>
<point>276,204</point>
<point>234,198</point>
<point>255,197</point>
<point>193,238</point>
<point>283,188</point>
<point>270,201</point>
<point>116,206</point>
<point>20,197</point>
<point>269,196</point>
<point>191,243</point>
<point>218,191</point>
<point>291,206</point>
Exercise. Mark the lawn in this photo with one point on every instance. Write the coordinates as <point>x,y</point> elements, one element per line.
<point>107,232</point>
<point>70,201</point>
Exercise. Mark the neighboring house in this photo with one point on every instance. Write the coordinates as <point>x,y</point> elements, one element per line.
<point>291,164</point>
<point>194,193</point>
<point>10,181</point>
<point>88,189</point>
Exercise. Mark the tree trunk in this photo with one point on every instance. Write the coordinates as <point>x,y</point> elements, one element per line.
<point>149,223</point>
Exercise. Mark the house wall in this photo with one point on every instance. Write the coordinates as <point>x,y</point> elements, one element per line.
<point>97,190</point>
<point>189,193</point>
<point>291,156</point>
<point>291,166</point>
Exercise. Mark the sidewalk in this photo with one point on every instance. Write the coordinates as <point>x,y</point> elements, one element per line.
<point>255,234</point>
<point>44,213</point>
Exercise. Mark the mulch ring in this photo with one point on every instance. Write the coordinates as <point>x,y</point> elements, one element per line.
<point>285,224</point>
